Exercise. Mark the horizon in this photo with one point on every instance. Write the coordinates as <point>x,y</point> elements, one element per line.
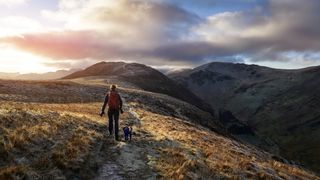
<point>160,69</point>
<point>40,37</point>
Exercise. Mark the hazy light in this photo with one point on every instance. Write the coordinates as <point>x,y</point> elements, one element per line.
<point>282,64</point>
<point>12,60</point>
<point>11,2</point>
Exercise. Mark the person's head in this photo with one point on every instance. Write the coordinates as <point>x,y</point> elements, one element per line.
<point>113,87</point>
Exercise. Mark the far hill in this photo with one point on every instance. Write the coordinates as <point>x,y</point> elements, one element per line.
<point>38,76</point>
<point>4,75</point>
<point>141,76</point>
<point>280,105</point>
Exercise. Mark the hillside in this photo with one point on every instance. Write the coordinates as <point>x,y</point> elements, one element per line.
<point>52,130</point>
<point>280,105</point>
<point>140,76</point>
<point>4,75</point>
<point>38,76</point>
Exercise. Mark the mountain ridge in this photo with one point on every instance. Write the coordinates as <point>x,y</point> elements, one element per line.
<point>273,102</point>
<point>141,76</point>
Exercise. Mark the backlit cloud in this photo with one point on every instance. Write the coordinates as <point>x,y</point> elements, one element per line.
<point>162,32</point>
<point>17,25</point>
<point>12,2</point>
<point>285,26</point>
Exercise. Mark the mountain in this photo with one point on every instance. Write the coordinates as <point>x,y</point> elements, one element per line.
<point>46,76</point>
<point>140,76</point>
<point>52,130</point>
<point>134,75</point>
<point>279,105</point>
<point>38,76</point>
<point>4,75</point>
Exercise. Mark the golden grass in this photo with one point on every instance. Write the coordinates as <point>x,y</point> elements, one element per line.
<point>52,141</point>
<point>217,156</point>
<point>43,137</point>
<point>13,172</point>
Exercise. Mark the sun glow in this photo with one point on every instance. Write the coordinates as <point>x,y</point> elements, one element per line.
<point>13,60</point>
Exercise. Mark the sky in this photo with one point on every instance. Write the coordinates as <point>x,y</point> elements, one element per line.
<point>41,36</point>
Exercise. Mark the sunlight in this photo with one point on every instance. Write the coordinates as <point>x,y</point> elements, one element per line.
<point>25,25</point>
<point>13,60</point>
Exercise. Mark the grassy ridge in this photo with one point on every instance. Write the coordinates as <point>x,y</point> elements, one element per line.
<point>45,137</point>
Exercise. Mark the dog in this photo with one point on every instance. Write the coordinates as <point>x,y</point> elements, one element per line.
<point>127,130</point>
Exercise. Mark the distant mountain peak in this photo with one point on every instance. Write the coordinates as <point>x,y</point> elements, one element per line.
<point>142,76</point>
<point>113,69</point>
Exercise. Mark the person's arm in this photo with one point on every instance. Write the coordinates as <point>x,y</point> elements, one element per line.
<point>104,105</point>
<point>120,100</point>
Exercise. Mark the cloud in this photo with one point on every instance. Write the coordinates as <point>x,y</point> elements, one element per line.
<point>111,30</point>
<point>71,64</point>
<point>12,2</point>
<point>285,26</point>
<point>143,23</point>
<point>66,45</point>
<point>16,25</point>
<point>160,32</point>
<point>213,3</point>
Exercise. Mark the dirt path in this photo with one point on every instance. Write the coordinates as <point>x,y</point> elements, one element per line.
<point>128,160</point>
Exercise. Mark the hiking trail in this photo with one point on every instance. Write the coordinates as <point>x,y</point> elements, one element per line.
<point>127,159</point>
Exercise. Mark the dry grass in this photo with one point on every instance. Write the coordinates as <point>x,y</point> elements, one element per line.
<point>196,152</point>
<point>42,136</point>
<point>46,137</point>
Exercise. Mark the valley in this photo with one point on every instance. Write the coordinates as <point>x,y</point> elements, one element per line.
<point>278,105</point>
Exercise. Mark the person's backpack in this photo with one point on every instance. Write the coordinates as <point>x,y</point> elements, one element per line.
<point>113,100</point>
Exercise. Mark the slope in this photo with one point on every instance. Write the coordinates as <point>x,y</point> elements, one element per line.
<point>280,105</point>
<point>46,137</point>
<point>38,76</point>
<point>136,75</point>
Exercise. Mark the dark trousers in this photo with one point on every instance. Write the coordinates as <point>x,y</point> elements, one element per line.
<point>113,115</point>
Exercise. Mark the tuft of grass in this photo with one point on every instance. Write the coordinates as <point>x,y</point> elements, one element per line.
<point>13,172</point>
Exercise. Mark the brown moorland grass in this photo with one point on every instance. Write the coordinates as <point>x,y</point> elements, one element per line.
<point>37,139</point>
<point>196,152</point>
<point>42,136</point>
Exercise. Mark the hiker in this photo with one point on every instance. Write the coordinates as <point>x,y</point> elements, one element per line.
<point>114,102</point>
